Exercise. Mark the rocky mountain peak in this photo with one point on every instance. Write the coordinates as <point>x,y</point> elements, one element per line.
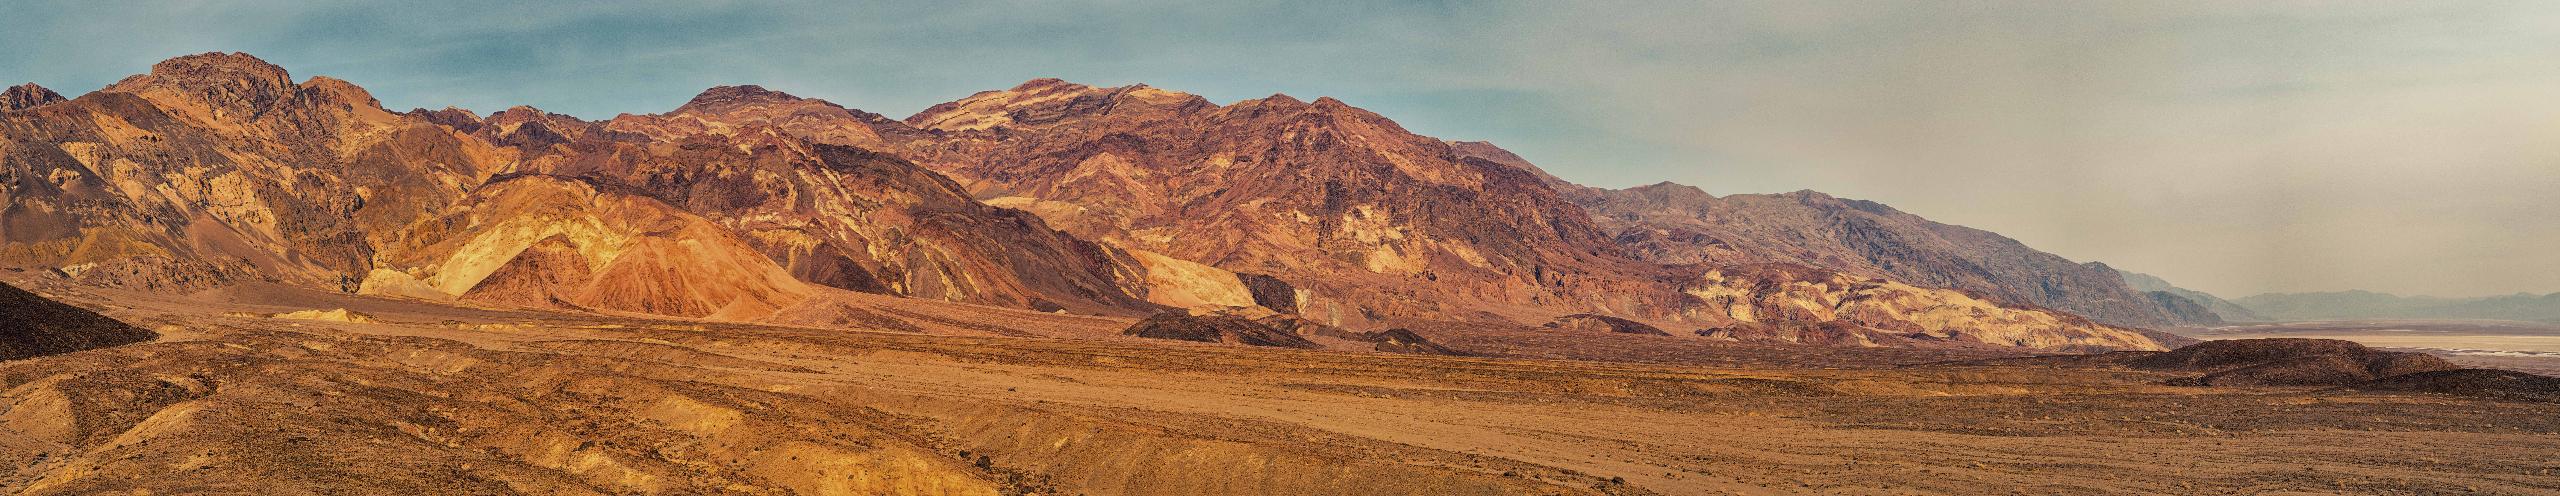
<point>1667,195</point>
<point>227,83</point>
<point>457,118</point>
<point>27,96</point>
<point>1046,100</point>
<point>340,91</point>
<point>217,66</point>
<point>718,97</point>
<point>526,126</point>
<point>1039,84</point>
<point>1668,188</point>
<point>524,113</point>
<point>1280,99</point>
<point>216,70</point>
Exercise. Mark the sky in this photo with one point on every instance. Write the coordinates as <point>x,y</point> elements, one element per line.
<point>2230,147</point>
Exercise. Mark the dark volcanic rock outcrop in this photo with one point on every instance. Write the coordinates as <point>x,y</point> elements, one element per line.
<point>1215,328</point>
<point>1401,340</point>
<point>32,326</point>
<point>1603,323</point>
<point>1271,292</point>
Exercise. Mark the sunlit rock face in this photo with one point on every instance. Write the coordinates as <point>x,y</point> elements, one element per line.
<point>800,180</point>
<point>1369,223</point>
<point>218,168</point>
<point>1791,303</point>
<point>543,241</point>
<point>1365,223</point>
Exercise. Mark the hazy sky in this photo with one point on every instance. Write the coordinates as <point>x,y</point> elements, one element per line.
<point>2232,147</point>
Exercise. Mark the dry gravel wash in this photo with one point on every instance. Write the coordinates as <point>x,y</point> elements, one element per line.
<point>430,399</point>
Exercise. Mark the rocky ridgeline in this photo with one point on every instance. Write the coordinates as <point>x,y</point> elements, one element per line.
<point>220,168</point>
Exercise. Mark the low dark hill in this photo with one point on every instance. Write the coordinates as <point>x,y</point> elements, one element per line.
<point>2288,362</point>
<point>2258,362</point>
<point>1402,340</point>
<point>1216,328</point>
<point>32,326</point>
<point>1601,323</point>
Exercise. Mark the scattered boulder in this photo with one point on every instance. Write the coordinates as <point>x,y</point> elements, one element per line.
<point>2488,383</point>
<point>1599,323</point>
<point>33,326</point>
<point>1215,328</point>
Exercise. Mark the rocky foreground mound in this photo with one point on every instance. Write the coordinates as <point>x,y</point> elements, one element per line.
<point>32,326</point>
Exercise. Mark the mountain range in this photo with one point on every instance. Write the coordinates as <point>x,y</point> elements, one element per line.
<point>2348,305</point>
<point>2223,310</point>
<point>745,202</point>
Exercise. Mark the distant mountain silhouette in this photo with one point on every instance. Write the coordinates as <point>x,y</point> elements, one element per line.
<point>2341,305</point>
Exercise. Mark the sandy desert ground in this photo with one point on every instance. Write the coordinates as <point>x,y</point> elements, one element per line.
<point>904,396</point>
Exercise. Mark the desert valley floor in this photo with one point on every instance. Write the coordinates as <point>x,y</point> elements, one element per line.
<point>908,396</point>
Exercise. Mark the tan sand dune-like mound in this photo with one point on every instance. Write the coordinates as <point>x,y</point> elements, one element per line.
<point>334,315</point>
